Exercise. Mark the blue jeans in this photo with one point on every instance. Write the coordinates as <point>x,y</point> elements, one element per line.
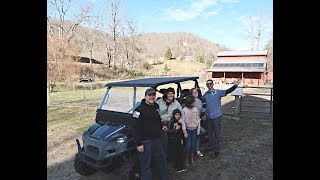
<point>202,131</point>
<point>153,150</point>
<point>164,141</point>
<point>191,140</point>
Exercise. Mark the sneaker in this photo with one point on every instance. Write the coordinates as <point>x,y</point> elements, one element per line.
<point>199,153</point>
<point>181,170</point>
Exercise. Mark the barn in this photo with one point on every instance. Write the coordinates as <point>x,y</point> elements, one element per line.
<point>251,66</point>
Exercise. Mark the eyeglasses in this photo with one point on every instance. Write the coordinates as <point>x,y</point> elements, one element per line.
<point>209,83</point>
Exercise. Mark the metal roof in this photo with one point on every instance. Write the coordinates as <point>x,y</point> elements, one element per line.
<point>238,66</point>
<point>150,82</point>
<point>242,53</point>
<point>240,61</point>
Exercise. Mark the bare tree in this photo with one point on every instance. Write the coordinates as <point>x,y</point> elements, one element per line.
<point>251,32</point>
<point>114,27</point>
<point>260,26</point>
<point>62,7</point>
<point>104,38</point>
<point>110,25</point>
<point>131,40</point>
<point>256,27</point>
<point>61,66</point>
<point>88,34</point>
<point>89,38</point>
<point>61,51</point>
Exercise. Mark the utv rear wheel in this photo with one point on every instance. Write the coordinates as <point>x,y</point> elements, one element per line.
<point>82,168</point>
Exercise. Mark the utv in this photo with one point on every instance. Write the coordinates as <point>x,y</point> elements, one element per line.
<point>109,145</point>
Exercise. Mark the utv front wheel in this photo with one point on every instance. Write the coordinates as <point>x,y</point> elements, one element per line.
<point>82,168</point>
<point>128,167</point>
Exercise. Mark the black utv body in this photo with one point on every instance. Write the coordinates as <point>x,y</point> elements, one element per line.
<point>109,145</point>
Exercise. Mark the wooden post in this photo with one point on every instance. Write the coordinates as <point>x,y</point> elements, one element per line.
<point>237,106</point>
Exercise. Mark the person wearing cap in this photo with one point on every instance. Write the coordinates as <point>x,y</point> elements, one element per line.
<point>212,98</point>
<point>167,104</point>
<point>147,134</point>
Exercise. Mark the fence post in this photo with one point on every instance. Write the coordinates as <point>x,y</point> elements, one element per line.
<point>237,106</point>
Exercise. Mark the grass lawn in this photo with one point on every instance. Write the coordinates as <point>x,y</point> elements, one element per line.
<point>74,110</point>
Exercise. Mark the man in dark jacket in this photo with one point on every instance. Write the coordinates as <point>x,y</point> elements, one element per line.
<point>147,132</point>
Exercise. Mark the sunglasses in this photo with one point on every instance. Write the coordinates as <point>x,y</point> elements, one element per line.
<point>209,83</point>
<point>153,94</point>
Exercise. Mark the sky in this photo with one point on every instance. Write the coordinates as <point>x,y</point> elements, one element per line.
<point>219,21</point>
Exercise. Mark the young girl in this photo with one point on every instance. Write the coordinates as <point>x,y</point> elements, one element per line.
<point>199,106</point>
<point>176,137</point>
<point>190,127</point>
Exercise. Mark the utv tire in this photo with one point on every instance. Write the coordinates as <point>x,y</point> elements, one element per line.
<point>82,168</point>
<point>128,167</point>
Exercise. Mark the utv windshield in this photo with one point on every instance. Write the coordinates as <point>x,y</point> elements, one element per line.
<point>126,99</point>
<point>121,99</point>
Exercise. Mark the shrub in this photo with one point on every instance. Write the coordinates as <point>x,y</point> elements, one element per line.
<point>146,66</point>
<point>200,59</point>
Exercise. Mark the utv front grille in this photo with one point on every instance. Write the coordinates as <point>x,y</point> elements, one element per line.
<point>92,149</point>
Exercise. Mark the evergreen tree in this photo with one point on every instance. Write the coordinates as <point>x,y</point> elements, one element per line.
<point>166,69</point>
<point>168,54</point>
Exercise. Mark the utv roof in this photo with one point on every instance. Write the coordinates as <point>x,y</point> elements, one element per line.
<point>150,82</point>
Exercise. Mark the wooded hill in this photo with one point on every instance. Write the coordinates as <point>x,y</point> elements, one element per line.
<point>148,45</point>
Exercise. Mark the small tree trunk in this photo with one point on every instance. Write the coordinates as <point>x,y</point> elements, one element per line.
<point>85,106</point>
<point>73,85</point>
<point>91,59</point>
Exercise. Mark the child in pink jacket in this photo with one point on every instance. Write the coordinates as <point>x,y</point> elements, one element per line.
<point>190,127</point>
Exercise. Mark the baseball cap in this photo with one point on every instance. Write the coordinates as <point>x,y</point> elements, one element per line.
<point>149,91</point>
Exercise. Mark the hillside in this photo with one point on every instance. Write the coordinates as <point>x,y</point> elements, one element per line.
<point>180,44</point>
<point>150,45</point>
<point>177,68</point>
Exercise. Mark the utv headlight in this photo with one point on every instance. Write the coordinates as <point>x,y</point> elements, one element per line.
<point>121,139</point>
